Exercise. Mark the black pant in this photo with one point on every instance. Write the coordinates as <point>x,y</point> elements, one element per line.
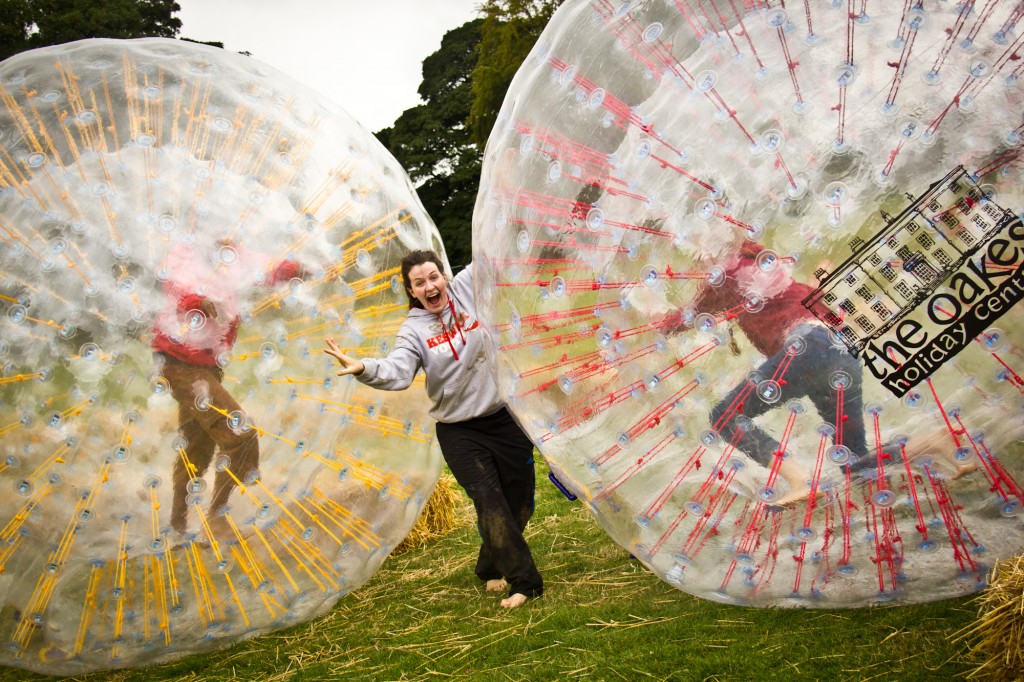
<point>493,460</point>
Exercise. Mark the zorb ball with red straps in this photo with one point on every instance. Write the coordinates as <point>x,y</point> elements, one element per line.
<point>753,274</point>
<point>180,228</point>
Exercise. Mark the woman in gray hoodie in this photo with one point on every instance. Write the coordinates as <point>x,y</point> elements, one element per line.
<point>490,456</point>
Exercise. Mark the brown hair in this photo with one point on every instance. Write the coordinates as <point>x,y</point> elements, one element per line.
<point>413,259</point>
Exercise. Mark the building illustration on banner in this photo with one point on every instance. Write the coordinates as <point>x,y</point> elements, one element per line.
<point>903,267</point>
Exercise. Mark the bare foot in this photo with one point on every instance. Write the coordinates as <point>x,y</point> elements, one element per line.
<point>964,469</point>
<point>798,480</point>
<point>496,585</point>
<point>512,602</point>
<point>796,494</point>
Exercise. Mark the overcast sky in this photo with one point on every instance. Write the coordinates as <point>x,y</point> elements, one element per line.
<point>366,55</point>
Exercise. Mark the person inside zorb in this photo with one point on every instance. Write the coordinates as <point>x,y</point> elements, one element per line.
<point>797,351</point>
<point>802,358</point>
<point>192,340</point>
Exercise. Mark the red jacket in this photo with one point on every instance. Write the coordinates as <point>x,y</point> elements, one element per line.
<point>196,286</point>
<point>782,298</point>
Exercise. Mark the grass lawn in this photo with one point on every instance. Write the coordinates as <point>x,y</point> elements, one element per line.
<point>425,616</point>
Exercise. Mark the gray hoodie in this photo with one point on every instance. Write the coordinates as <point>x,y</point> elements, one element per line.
<point>450,350</point>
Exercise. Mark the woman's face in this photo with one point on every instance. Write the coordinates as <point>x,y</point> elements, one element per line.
<point>429,287</point>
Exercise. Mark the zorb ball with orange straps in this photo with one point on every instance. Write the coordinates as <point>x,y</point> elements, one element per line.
<point>180,228</point>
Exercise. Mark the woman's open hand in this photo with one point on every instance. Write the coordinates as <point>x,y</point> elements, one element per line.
<point>349,365</point>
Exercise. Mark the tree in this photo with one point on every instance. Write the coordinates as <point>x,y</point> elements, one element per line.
<point>28,24</point>
<point>432,143</point>
<point>15,24</point>
<point>440,142</point>
<point>509,31</point>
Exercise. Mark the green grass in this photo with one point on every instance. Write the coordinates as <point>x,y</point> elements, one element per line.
<point>424,616</point>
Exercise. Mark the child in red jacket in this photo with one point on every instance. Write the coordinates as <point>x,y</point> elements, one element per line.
<point>193,338</point>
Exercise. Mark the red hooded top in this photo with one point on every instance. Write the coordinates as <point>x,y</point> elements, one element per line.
<point>197,286</point>
<point>782,296</point>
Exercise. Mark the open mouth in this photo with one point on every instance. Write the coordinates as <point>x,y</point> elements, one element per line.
<point>434,299</point>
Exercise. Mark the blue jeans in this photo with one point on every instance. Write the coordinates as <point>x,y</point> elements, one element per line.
<point>809,374</point>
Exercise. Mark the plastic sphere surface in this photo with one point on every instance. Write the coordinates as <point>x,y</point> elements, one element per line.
<point>181,227</point>
<point>754,276</point>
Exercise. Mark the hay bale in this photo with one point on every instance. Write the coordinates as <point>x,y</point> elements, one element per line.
<point>438,517</point>
<point>996,639</point>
